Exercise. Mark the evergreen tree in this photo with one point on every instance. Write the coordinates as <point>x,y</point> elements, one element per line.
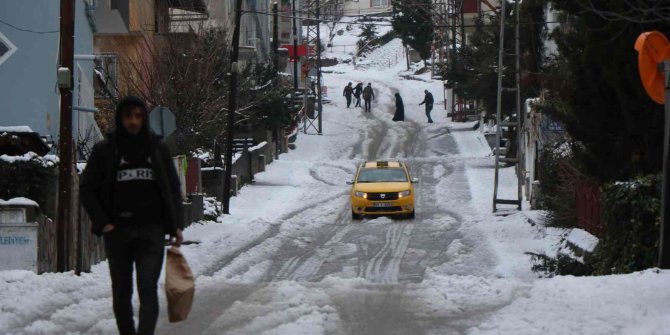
<point>368,31</point>
<point>603,104</point>
<point>412,21</point>
<point>473,72</point>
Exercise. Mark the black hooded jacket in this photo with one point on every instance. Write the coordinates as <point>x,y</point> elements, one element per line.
<point>358,90</point>
<point>99,179</point>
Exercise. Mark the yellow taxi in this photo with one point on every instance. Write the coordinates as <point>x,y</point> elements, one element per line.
<point>382,188</point>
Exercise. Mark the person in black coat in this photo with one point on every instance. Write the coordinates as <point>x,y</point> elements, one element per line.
<point>348,91</point>
<point>399,109</point>
<point>358,91</point>
<point>428,100</point>
<point>131,191</point>
<point>368,96</point>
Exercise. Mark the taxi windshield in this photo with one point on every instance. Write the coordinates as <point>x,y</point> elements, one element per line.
<point>382,175</point>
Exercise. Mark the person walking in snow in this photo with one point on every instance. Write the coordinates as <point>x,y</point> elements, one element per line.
<point>358,90</point>
<point>348,91</point>
<point>368,96</point>
<point>428,100</point>
<point>131,192</point>
<point>399,109</point>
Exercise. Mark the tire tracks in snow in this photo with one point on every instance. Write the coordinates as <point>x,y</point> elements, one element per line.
<point>384,267</point>
<point>270,233</point>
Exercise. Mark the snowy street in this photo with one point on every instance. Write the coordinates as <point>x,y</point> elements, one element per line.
<point>290,260</point>
<point>356,276</point>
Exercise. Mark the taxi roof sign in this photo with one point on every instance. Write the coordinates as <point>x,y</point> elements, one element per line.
<point>382,164</point>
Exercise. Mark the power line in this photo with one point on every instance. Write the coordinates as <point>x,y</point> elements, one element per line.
<point>389,24</point>
<point>29,30</point>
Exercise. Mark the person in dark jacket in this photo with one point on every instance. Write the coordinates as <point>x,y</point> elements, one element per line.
<point>368,96</point>
<point>399,109</point>
<point>358,91</point>
<point>131,192</point>
<point>348,91</point>
<point>428,100</point>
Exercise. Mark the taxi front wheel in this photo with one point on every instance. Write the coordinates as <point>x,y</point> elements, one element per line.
<point>409,216</point>
<point>355,216</point>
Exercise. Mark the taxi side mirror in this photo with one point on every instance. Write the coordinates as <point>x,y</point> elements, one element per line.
<point>350,182</point>
<point>415,180</point>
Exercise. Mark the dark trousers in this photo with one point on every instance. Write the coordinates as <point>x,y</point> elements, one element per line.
<point>348,100</point>
<point>143,247</point>
<point>429,108</point>
<point>358,101</point>
<point>368,105</point>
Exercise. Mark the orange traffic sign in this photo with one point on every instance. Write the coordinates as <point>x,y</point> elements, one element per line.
<point>653,48</point>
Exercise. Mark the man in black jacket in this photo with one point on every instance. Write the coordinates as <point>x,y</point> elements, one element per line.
<point>368,96</point>
<point>348,91</point>
<point>131,192</point>
<point>428,100</point>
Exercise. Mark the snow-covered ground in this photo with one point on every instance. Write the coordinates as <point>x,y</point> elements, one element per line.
<point>289,260</point>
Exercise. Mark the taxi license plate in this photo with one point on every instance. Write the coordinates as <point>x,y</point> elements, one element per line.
<point>382,204</point>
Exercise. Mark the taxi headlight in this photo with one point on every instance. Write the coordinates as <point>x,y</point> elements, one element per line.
<point>404,194</point>
<point>361,194</point>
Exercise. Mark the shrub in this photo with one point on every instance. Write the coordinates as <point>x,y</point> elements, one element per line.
<point>559,176</point>
<point>29,176</point>
<point>561,265</point>
<point>632,220</point>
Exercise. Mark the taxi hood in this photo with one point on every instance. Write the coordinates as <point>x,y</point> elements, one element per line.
<point>386,187</point>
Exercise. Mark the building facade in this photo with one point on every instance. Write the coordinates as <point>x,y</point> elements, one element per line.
<point>29,37</point>
<point>367,7</point>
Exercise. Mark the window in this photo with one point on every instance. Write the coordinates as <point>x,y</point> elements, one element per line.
<point>6,48</point>
<point>382,175</point>
<point>106,75</point>
<point>380,3</point>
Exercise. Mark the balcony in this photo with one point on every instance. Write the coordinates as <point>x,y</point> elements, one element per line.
<point>187,10</point>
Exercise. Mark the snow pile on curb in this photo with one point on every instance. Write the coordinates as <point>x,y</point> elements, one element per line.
<point>582,239</point>
<point>638,303</point>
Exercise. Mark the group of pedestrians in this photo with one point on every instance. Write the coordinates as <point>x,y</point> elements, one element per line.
<point>357,92</point>
<point>368,95</point>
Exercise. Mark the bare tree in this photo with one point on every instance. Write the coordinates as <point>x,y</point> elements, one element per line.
<point>637,11</point>
<point>187,72</point>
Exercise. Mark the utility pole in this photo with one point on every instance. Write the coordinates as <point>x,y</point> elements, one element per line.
<point>275,36</point>
<point>454,60</point>
<point>275,62</point>
<point>65,151</point>
<point>463,41</point>
<point>664,240</point>
<point>318,67</point>
<point>295,50</point>
<point>232,106</point>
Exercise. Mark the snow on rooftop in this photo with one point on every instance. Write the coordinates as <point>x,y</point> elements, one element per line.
<point>20,201</point>
<point>16,129</point>
<point>47,160</point>
<point>258,146</point>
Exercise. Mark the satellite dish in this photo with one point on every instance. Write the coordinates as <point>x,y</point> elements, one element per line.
<point>653,48</point>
